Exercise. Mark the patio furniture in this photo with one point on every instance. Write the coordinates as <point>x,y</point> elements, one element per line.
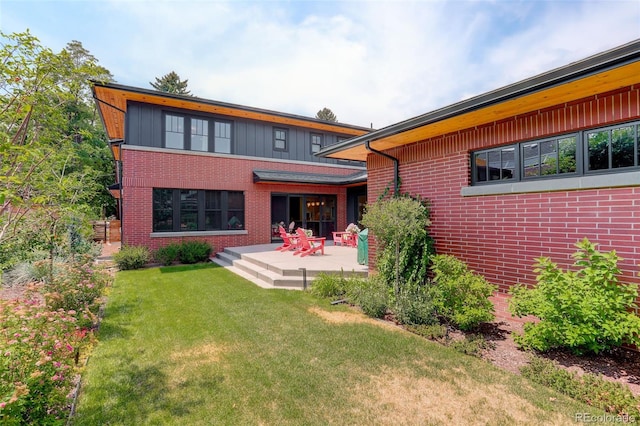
<point>338,238</point>
<point>309,245</point>
<point>289,242</point>
<point>345,238</point>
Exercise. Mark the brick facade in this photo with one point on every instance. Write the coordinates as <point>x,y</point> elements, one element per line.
<point>499,236</point>
<point>144,170</point>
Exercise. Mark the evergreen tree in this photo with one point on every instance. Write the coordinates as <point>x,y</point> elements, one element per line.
<point>171,83</point>
<point>327,115</point>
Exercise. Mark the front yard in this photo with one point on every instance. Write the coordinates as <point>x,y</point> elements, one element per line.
<point>199,345</point>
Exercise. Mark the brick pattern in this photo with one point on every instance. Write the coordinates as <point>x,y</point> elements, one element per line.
<point>500,236</point>
<point>145,170</point>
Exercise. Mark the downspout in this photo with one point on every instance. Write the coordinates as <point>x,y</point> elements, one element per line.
<point>396,167</point>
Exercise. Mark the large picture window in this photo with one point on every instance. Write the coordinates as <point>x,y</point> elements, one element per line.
<point>183,210</point>
<point>610,149</point>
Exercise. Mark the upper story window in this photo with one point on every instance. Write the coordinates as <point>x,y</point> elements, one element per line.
<point>207,135</point>
<point>591,151</point>
<point>280,139</point>
<point>222,141</point>
<point>316,142</point>
<point>174,131</point>
<point>199,135</point>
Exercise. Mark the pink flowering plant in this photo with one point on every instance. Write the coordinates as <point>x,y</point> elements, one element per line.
<point>77,286</point>
<point>39,350</point>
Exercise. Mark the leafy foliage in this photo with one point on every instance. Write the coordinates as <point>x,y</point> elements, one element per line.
<point>327,115</point>
<point>131,257</point>
<point>171,83</point>
<point>413,305</point>
<point>329,286</point>
<point>586,311</point>
<point>55,163</point>
<point>372,295</point>
<point>399,225</point>
<point>459,296</point>
<point>588,388</point>
<point>194,251</point>
<point>167,255</point>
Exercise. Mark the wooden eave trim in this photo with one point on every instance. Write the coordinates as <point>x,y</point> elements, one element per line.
<point>114,120</point>
<point>557,96</point>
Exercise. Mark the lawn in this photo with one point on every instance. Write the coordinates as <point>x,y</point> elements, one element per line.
<point>200,345</point>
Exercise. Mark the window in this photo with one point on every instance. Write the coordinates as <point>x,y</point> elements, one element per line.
<point>591,151</point>
<point>183,210</point>
<point>279,139</point>
<point>174,132</point>
<point>222,141</point>
<point>199,135</point>
<point>316,142</point>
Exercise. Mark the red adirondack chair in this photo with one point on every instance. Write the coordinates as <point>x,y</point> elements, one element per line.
<point>309,245</point>
<point>289,242</point>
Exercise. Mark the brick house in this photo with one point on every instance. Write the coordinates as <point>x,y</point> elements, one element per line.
<point>190,168</point>
<point>523,171</point>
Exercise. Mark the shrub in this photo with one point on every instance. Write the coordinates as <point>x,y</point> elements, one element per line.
<point>77,287</point>
<point>370,294</point>
<point>39,349</point>
<point>194,252</point>
<point>168,254</point>
<point>459,296</point>
<point>588,388</point>
<point>21,274</point>
<point>472,345</point>
<point>131,257</point>
<point>429,331</point>
<point>584,311</point>
<point>329,286</point>
<point>413,305</point>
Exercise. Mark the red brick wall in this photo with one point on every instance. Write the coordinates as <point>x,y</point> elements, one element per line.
<point>145,170</point>
<point>499,236</point>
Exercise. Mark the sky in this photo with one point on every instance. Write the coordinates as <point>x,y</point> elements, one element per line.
<point>373,63</point>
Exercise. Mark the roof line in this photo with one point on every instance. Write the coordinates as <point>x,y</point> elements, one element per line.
<point>196,99</point>
<point>613,58</point>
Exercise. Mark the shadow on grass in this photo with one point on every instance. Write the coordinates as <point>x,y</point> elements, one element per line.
<point>136,394</point>
<point>193,267</point>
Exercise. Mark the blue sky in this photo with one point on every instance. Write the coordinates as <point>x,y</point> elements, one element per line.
<point>371,62</point>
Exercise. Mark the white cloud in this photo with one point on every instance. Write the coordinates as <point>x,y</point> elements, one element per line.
<point>369,61</point>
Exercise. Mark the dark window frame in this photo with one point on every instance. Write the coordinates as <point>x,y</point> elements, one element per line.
<point>582,166</point>
<point>176,210</point>
<point>186,134</point>
<point>286,139</point>
<point>319,144</point>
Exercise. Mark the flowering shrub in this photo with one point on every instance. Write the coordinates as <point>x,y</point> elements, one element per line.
<point>352,228</point>
<point>39,349</point>
<point>78,287</point>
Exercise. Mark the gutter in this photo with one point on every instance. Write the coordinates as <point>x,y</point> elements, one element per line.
<point>396,167</point>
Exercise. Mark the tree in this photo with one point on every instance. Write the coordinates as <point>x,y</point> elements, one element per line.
<point>171,83</point>
<point>327,115</point>
<point>48,178</point>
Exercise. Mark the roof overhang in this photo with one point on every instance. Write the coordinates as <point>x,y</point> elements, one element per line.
<point>604,72</point>
<point>280,176</point>
<point>112,100</point>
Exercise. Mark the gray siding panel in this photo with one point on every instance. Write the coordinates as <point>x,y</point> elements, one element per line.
<point>249,138</point>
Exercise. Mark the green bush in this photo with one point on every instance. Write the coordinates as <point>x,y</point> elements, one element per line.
<point>167,255</point>
<point>429,331</point>
<point>413,305</point>
<point>459,296</point>
<point>370,294</point>
<point>329,286</point>
<point>194,252</point>
<point>584,311</point>
<point>472,345</point>
<point>131,257</point>
<point>588,388</point>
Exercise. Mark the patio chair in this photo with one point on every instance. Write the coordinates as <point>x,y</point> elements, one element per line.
<point>289,242</point>
<point>309,245</point>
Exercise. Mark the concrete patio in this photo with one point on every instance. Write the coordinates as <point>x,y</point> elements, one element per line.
<point>269,268</point>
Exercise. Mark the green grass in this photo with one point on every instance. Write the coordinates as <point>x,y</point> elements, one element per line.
<point>199,345</point>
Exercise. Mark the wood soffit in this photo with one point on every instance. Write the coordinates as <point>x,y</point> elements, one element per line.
<point>602,82</point>
<point>110,97</point>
